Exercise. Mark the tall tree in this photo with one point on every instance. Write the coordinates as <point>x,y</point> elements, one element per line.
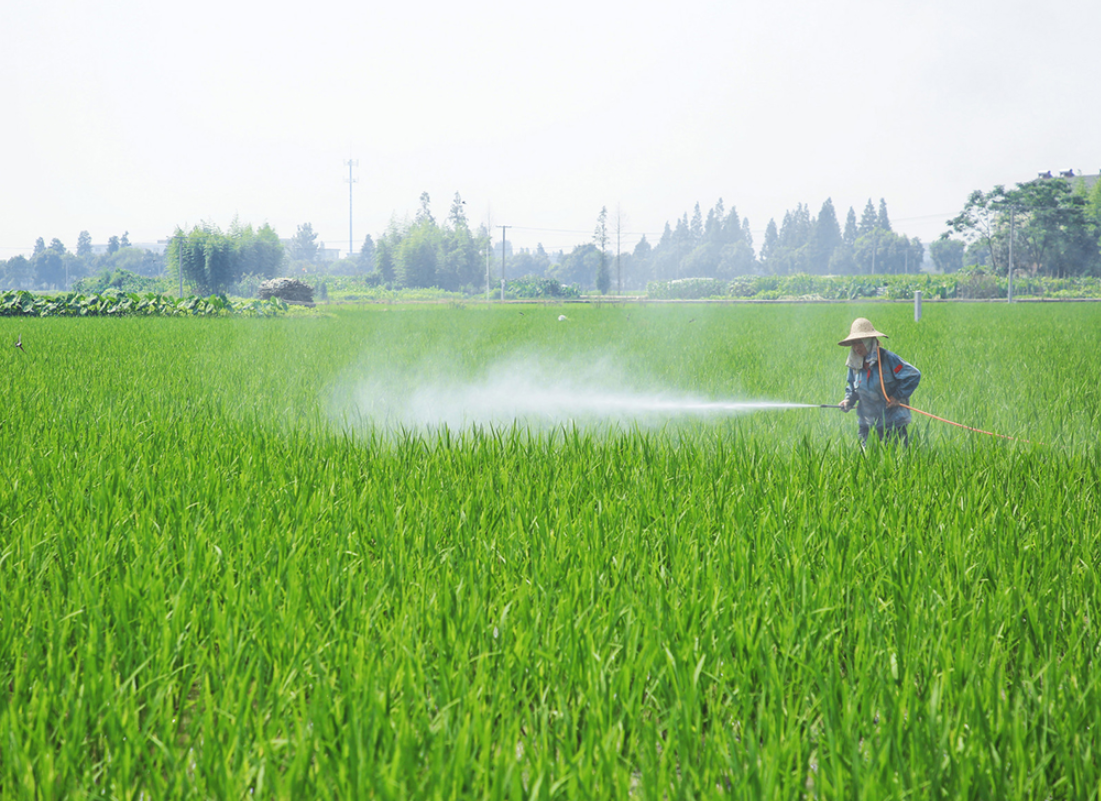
<point>771,244</point>
<point>915,255</point>
<point>695,228</point>
<point>541,260</point>
<point>885,252</point>
<point>579,267</point>
<point>84,244</point>
<point>425,212</point>
<point>980,222</point>
<point>459,264</point>
<point>367,255</point>
<point>57,247</point>
<point>18,273</point>
<point>703,260</point>
<point>384,261</point>
<point>799,229</point>
<point>882,221</point>
<point>841,262</point>
<point>825,239</point>
<point>39,246</point>
<point>457,216</point>
<point>868,220</point>
<point>417,256</point>
<point>1053,228</point>
<point>849,236</point>
<point>716,221</point>
<point>712,227</point>
<point>49,269</point>
<point>218,252</point>
<point>113,245</point>
<point>947,254</point>
<point>258,253</point>
<point>213,261</point>
<point>731,227</point>
<point>640,256</point>
<point>666,239</point>
<point>304,244</point>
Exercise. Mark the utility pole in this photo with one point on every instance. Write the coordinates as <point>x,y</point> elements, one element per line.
<point>351,163</point>
<point>1009,294</point>
<point>503,231</point>
<point>618,271</point>
<point>179,261</point>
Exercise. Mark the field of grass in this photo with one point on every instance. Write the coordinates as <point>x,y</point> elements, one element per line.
<point>222,576</point>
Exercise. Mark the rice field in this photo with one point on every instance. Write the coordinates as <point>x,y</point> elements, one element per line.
<point>258,558</point>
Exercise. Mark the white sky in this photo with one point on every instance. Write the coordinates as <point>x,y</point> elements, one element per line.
<point>141,116</point>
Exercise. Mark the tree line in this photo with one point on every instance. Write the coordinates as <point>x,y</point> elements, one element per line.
<point>54,266</point>
<point>1052,227</point>
<point>720,245</point>
<point>448,254</point>
<point>211,260</point>
<point>427,253</point>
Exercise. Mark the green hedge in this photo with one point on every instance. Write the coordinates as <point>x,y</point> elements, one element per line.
<point>532,287</point>
<point>965,285</point>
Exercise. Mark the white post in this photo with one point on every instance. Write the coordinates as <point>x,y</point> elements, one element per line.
<point>917,306</point>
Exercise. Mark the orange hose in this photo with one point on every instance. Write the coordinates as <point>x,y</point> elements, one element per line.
<point>883,389</point>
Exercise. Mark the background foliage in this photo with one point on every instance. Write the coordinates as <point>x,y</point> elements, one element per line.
<point>1055,225</point>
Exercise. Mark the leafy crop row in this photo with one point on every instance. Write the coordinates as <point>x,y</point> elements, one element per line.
<point>117,304</point>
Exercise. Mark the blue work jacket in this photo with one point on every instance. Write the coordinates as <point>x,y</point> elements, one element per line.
<point>900,380</point>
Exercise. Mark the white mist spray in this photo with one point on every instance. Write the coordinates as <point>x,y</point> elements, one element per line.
<point>527,392</point>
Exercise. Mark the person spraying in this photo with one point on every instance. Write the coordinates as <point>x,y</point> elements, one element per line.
<point>878,384</point>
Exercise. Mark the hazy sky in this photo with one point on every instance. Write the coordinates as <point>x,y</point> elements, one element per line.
<point>141,116</point>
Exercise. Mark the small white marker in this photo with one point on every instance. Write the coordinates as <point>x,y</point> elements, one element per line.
<point>19,343</point>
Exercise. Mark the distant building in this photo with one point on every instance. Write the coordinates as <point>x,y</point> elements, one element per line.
<point>1071,175</point>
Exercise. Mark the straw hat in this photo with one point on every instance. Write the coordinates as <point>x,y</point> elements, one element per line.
<point>862,329</point>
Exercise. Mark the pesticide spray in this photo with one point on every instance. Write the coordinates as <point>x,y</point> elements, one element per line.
<point>533,394</point>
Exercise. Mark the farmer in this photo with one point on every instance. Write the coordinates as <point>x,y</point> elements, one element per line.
<point>878,394</point>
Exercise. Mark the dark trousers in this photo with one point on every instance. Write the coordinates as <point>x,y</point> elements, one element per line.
<point>885,433</point>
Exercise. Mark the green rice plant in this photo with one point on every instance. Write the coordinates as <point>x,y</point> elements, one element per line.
<point>220,580</point>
